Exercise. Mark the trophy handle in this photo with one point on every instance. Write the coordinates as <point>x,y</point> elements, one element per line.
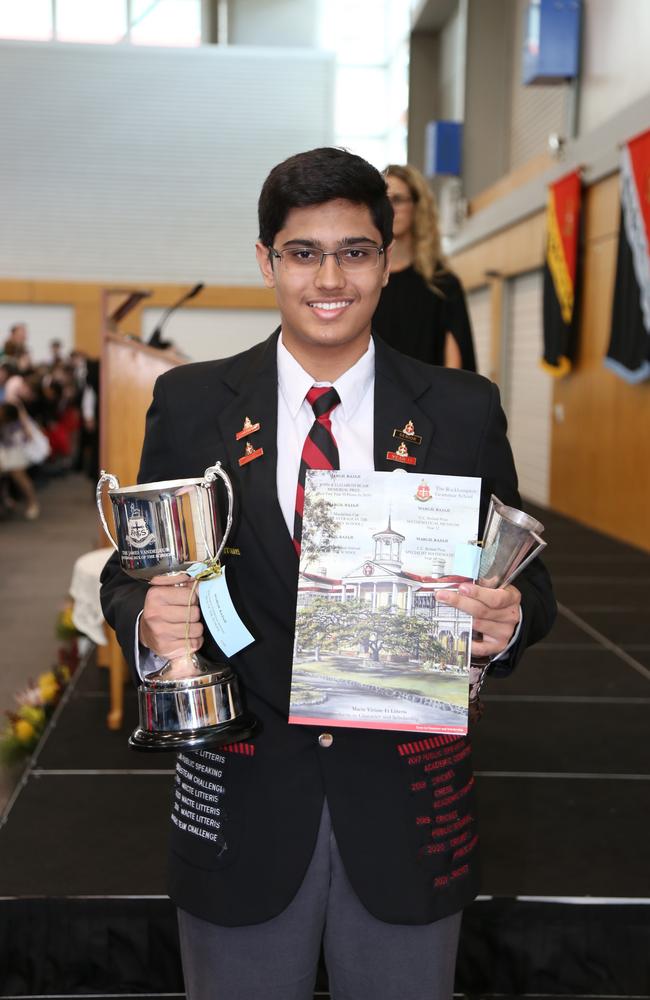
<point>212,473</point>
<point>113,484</point>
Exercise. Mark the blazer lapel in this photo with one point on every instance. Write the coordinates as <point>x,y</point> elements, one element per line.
<point>398,387</point>
<point>254,387</point>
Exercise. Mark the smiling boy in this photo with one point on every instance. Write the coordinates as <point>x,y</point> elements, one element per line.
<point>334,838</point>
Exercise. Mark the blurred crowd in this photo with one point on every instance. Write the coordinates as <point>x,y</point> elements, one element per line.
<point>48,419</point>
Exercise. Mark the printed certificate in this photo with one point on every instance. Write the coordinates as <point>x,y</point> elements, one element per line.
<point>374,648</point>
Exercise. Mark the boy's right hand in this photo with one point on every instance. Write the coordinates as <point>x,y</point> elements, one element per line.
<point>163,622</point>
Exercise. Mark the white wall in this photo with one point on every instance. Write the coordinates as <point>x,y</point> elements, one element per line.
<point>615,59</point>
<point>528,394</point>
<point>44,323</point>
<point>281,22</point>
<point>479,306</point>
<point>124,163</point>
<point>205,334</point>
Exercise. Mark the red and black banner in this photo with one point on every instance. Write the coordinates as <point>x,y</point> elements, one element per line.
<point>629,347</point>
<point>561,274</point>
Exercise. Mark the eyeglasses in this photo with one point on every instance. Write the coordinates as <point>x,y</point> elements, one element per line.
<point>400,199</point>
<point>353,258</point>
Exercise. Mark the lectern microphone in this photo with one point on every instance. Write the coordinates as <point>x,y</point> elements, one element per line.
<point>155,340</point>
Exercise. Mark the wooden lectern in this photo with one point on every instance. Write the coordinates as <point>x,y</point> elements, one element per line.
<point>128,371</point>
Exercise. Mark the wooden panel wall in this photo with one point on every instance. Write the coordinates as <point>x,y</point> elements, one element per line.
<point>601,450</point>
<point>600,444</point>
<point>85,298</point>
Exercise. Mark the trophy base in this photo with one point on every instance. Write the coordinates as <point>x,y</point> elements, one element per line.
<point>194,739</point>
<point>191,712</point>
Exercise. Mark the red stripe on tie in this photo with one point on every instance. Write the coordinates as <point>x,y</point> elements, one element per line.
<point>313,457</point>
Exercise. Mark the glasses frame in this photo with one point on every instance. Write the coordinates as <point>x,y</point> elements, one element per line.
<point>279,255</point>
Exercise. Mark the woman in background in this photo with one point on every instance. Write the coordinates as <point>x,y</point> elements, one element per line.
<point>422,310</point>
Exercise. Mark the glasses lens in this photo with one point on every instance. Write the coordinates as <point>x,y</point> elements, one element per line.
<point>358,258</point>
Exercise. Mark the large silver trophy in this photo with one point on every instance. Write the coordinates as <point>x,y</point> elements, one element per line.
<point>168,528</point>
<point>511,540</point>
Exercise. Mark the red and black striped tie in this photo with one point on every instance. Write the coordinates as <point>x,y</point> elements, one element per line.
<point>319,451</point>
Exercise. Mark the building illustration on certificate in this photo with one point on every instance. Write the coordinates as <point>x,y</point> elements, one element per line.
<point>374,646</point>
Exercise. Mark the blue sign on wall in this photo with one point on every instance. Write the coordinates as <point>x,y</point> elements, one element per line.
<point>443,149</point>
<point>551,41</point>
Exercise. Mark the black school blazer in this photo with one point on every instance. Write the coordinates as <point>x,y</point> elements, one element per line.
<point>403,809</point>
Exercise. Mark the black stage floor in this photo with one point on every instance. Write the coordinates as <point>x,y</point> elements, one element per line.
<point>563,775</point>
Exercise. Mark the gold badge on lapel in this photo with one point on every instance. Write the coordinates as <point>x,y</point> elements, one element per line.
<point>407,433</point>
<point>401,455</point>
<point>248,428</point>
<point>250,454</point>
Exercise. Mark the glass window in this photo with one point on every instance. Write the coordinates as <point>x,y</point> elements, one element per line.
<point>99,21</point>
<point>360,103</point>
<point>355,30</point>
<point>30,19</point>
<point>166,22</point>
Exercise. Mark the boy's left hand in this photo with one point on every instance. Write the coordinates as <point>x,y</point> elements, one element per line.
<point>495,614</point>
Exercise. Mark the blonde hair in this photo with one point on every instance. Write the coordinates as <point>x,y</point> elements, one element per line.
<point>428,258</point>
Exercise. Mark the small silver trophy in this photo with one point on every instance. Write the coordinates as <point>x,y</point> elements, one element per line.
<point>166,528</point>
<point>511,540</point>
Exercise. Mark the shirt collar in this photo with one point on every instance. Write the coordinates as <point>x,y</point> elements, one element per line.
<point>294,382</point>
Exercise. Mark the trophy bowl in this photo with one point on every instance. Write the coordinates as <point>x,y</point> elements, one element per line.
<point>166,528</point>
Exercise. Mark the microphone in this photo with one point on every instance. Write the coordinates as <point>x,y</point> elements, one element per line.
<point>155,340</point>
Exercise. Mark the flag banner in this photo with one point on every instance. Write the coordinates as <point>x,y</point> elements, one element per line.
<point>561,274</point>
<point>629,348</point>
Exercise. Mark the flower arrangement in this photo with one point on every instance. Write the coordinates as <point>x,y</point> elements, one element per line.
<point>35,706</point>
<point>65,627</point>
<point>36,702</point>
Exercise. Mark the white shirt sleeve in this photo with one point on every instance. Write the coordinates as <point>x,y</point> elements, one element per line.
<point>146,662</point>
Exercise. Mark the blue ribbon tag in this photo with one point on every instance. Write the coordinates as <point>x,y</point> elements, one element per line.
<point>226,627</point>
<point>466,560</point>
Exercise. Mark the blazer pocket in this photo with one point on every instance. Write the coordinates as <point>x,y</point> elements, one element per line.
<point>207,817</point>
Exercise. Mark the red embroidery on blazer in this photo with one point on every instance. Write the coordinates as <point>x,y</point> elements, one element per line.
<point>462,851</point>
<point>456,795</point>
<point>417,746</point>
<point>442,831</point>
<point>248,749</point>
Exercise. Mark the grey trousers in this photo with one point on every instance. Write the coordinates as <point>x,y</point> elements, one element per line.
<point>366,958</point>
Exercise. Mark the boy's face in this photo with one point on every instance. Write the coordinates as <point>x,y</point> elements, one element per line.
<point>327,306</point>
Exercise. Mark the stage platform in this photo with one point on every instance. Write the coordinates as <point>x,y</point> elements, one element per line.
<point>563,774</point>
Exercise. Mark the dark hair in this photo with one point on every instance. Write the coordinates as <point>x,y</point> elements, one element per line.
<point>8,413</point>
<point>318,176</point>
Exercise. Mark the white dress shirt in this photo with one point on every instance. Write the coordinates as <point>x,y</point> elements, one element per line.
<point>352,421</point>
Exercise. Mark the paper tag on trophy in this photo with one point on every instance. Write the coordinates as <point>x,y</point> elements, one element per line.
<point>226,627</point>
<point>466,560</point>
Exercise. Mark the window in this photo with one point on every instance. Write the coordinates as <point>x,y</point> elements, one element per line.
<point>27,19</point>
<point>369,41</point>
<point>141,22</point>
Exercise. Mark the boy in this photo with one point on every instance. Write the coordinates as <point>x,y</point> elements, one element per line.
<point>325,836</point>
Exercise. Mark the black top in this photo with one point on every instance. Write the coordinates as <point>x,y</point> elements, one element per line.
<point>414,319</point>
<point>388,792</point>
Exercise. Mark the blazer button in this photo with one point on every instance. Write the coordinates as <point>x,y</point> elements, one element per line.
<point>325,740</point>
